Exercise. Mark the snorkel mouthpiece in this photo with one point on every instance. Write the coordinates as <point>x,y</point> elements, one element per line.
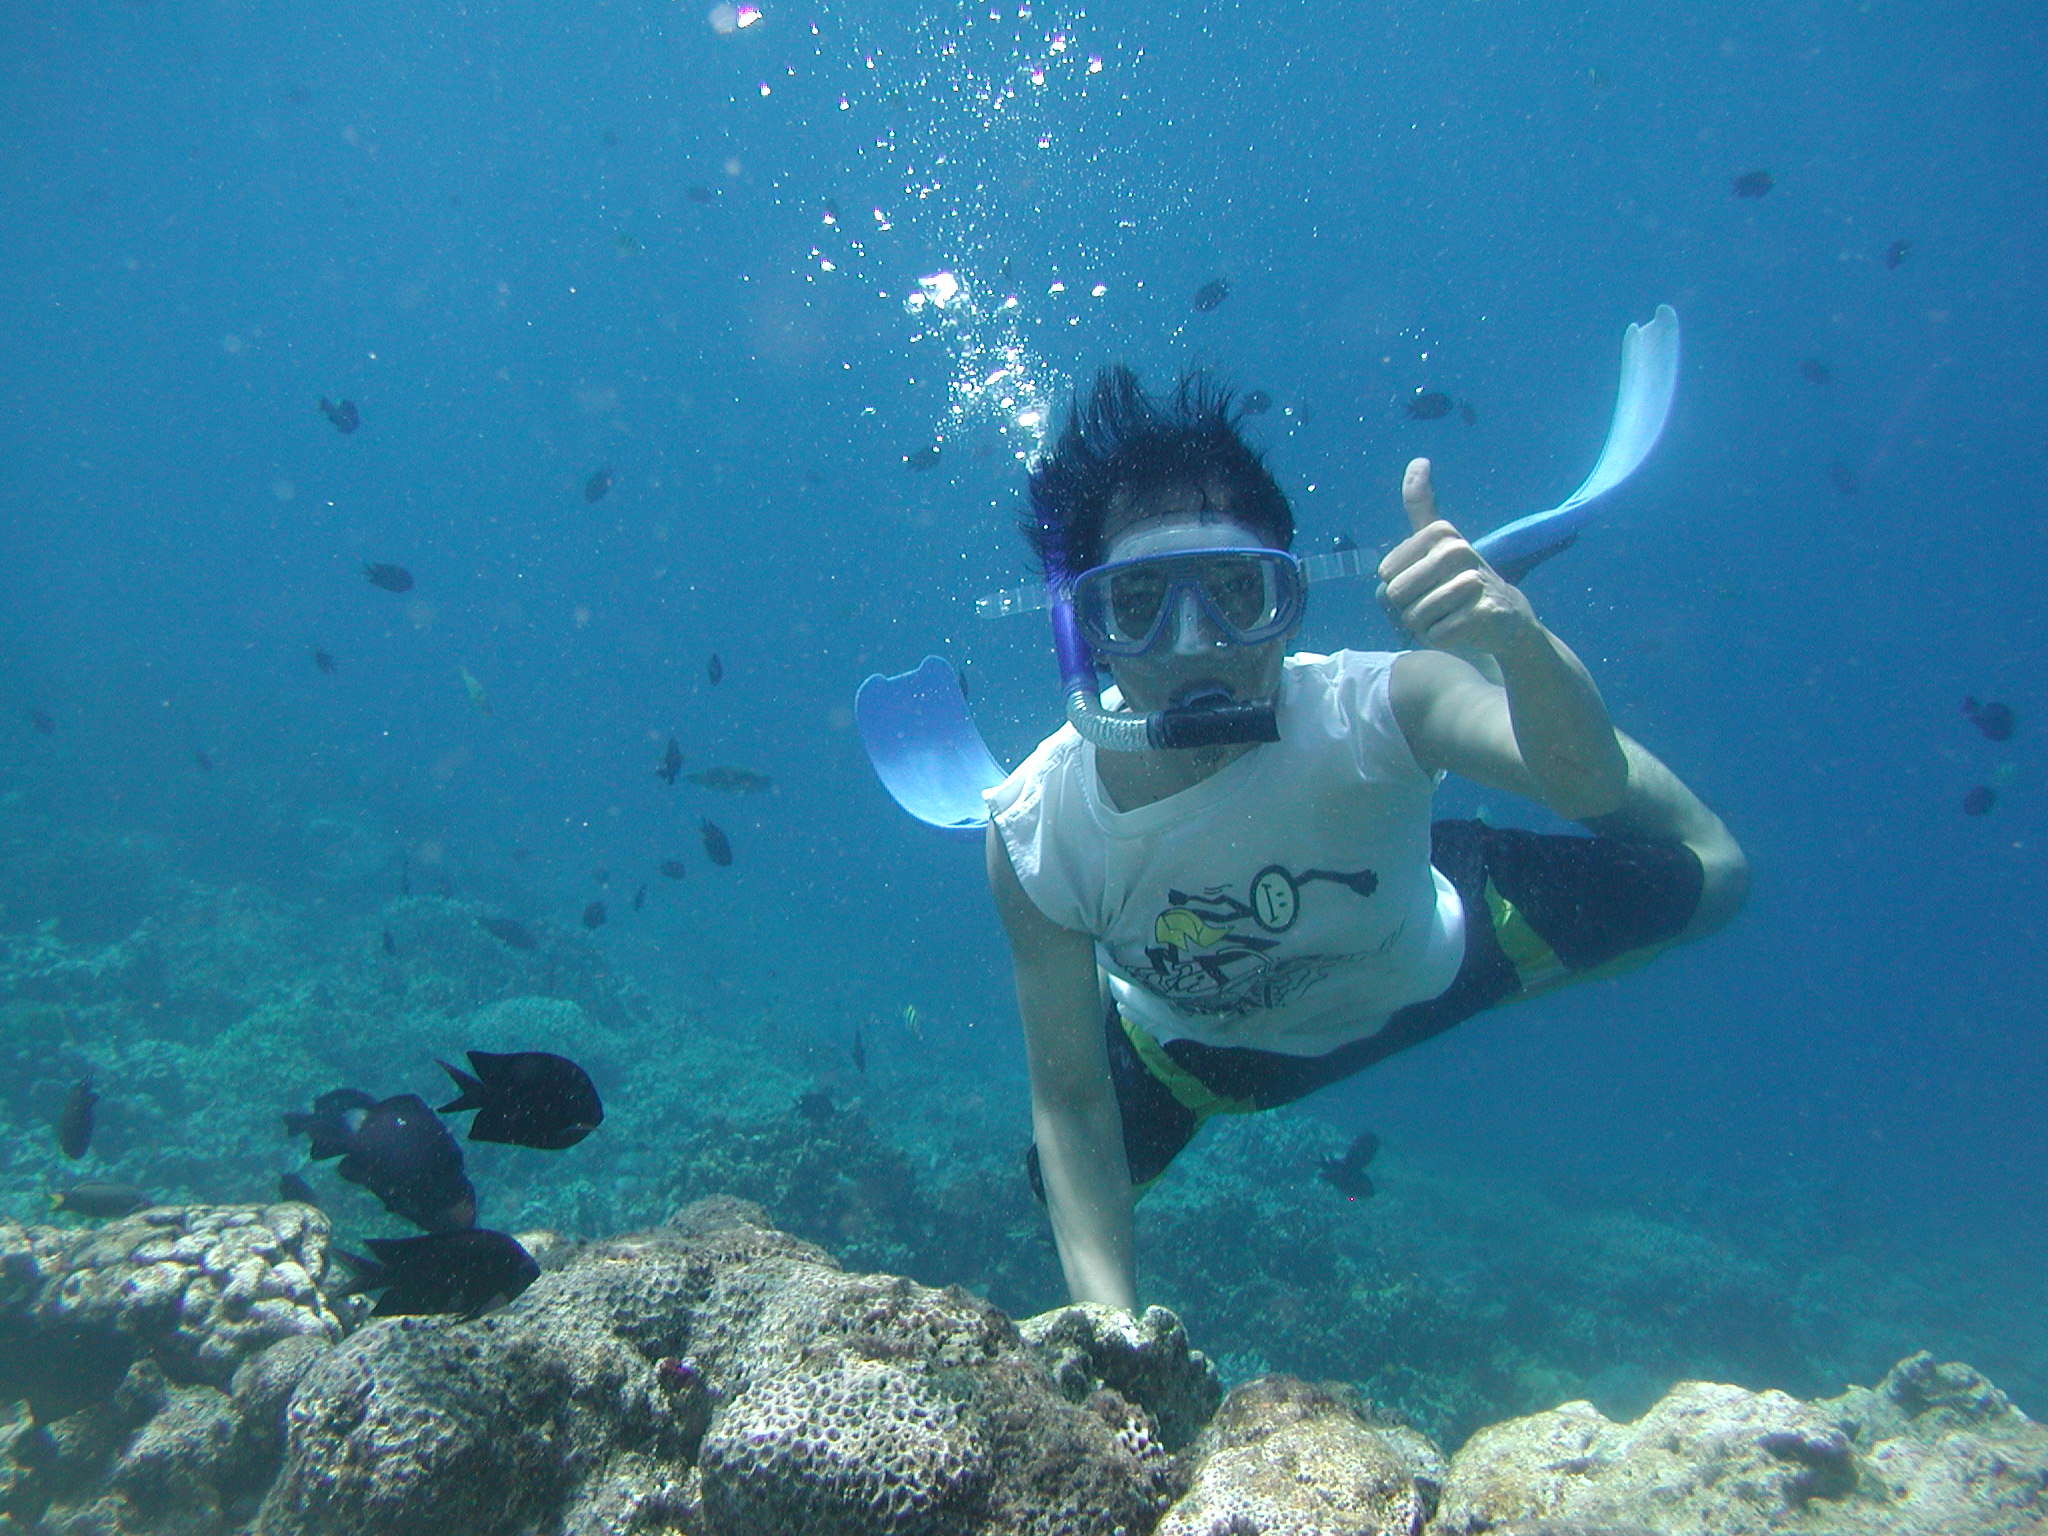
<point>1209,719</point>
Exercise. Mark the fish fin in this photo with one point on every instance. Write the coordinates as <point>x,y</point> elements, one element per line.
<point>1515,571</point>
<point>472,1095</point>
<point>369,1274</point>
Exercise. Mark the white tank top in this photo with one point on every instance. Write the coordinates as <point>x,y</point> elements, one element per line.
<point>1285,903</point>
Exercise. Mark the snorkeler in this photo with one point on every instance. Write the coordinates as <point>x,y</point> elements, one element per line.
<point>1222,886</point>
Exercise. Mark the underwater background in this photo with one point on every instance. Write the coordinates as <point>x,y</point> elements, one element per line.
<point>669,331</point>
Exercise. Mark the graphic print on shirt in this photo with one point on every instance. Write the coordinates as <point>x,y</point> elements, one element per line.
<point>1213,951</point>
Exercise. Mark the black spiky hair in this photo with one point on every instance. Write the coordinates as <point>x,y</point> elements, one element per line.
<point>1121,444</point>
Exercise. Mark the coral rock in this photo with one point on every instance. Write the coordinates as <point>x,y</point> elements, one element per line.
<point>1284,1458</point>
<point>1145,1360</point>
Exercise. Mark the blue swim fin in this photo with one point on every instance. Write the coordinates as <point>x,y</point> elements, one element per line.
<point>1649,378</point>
<point>925,748</point>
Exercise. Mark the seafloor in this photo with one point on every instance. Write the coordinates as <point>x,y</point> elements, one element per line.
<point>1456,1298</point>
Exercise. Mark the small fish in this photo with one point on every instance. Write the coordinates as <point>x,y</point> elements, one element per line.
<point>626,243</point>
<point>910,1022</point>
<point>101,1200</point>
<point>1427,405</point>
<point>671,762</point>
<point>392,578</point>
<point>860,1053</point>
<point>595,487</point>
<point>466,1273</point>
<point>1257,403</point>
<point>397,1150</point>
<point>1752,184</point>
<point>594,915</point>
<point>602,876</point>
<point>1846,480</point>
<point>1210,295</point>
<point>1995,720</point>
<point>639,897</point>
<point>1466,414</point>
<point>1895,254</point>
<point>294,1190</point>
<point>732,780</point>
<point>815,1106</point>
<point>1814,371</point>
<point>671,869</point>
<point>505,931</point>
<point>717,846</point>
<point>342,413</point>
<point>390,944</point>
<point>201,761</point>
<point>404,876</point>
<point>1978,802</point>
<point>923,459</point>
<point>323,660</point>
<point>478,699</point>
<point>526,1099</point>
<point>1346,1173</point>
<point>74,1125</point>
<point>40,720</point>
<point>697,192</point>
<point>714,670</point>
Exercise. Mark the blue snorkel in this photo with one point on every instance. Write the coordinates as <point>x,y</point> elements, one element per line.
<point>1212,721</point>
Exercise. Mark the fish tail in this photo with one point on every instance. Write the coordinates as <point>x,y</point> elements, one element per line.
<point>471,1096</point>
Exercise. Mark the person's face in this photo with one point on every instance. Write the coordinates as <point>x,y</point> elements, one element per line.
<point>1194,655</point>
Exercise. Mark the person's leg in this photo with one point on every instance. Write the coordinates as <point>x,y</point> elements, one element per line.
<point>1659,807</point>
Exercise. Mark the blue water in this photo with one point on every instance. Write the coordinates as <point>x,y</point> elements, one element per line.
<point>478,223</point>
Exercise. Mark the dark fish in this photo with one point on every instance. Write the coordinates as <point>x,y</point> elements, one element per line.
<point>1466,414</point>
<point>323,660</point>
<point>602,876</point>
<point>600,482</point>
<point>40,719</point>
<point>697,192</point>
<point>1979,800</point>
<point>1814,371</point>
<point>815,1106</point>
<point>520,853</point>
<point>1346,1173</point>
<point>672,869</point>
<point>395,1149</point>
<point>593,915</point>
<point>717,846</point>
<point>466,1273</point>
<point>1427,405</point>
<point>639,897</point>
<point>714,670</point>
<point>74,1125</point>
<point>1995,720</point>
<point>1753,184</point>
<point>201,761</point>
<point>1847,481</point>
<point>1210,295</point>
<point>526,1099</point>
<point>1896,253</point>
<point>860,1053</point>
<point>1257,403</point>
<point>390,944</point>
<point>101,1200</point>
<point>671,762</point>
<point>294,1190</point>
<point>342,413</point>
<point>404,876</point>
<point>505,931</point>
<point>925,458</point>
<point>392,578</point>
<point>732,780</point>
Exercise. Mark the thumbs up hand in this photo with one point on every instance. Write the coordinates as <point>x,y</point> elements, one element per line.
<point>1435,585</point>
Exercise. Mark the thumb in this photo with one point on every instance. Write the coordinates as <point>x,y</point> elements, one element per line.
<point>1418,495</point>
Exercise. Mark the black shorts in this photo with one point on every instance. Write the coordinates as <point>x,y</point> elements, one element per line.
<point>1562,910</point>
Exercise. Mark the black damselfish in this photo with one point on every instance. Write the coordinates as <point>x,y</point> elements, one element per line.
<point>74,1125</point>
<point>1346,1174</point>
<point>526,1099</point>
<point>395,1149</point>
<point>461,1272</point>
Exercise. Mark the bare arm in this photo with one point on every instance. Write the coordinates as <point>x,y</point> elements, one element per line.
<point>1074,1116</point>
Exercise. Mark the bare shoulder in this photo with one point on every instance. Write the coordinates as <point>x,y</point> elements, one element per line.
<point>1027,927</point>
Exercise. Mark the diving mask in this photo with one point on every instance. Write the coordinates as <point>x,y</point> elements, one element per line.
<point>1131,607</point>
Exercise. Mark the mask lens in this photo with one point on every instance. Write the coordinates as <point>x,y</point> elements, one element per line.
<point>1250,596</point>
<point>1239,591</point>
<point>1136,595</point>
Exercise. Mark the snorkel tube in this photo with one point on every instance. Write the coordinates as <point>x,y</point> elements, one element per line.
<point>1212,721</point>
